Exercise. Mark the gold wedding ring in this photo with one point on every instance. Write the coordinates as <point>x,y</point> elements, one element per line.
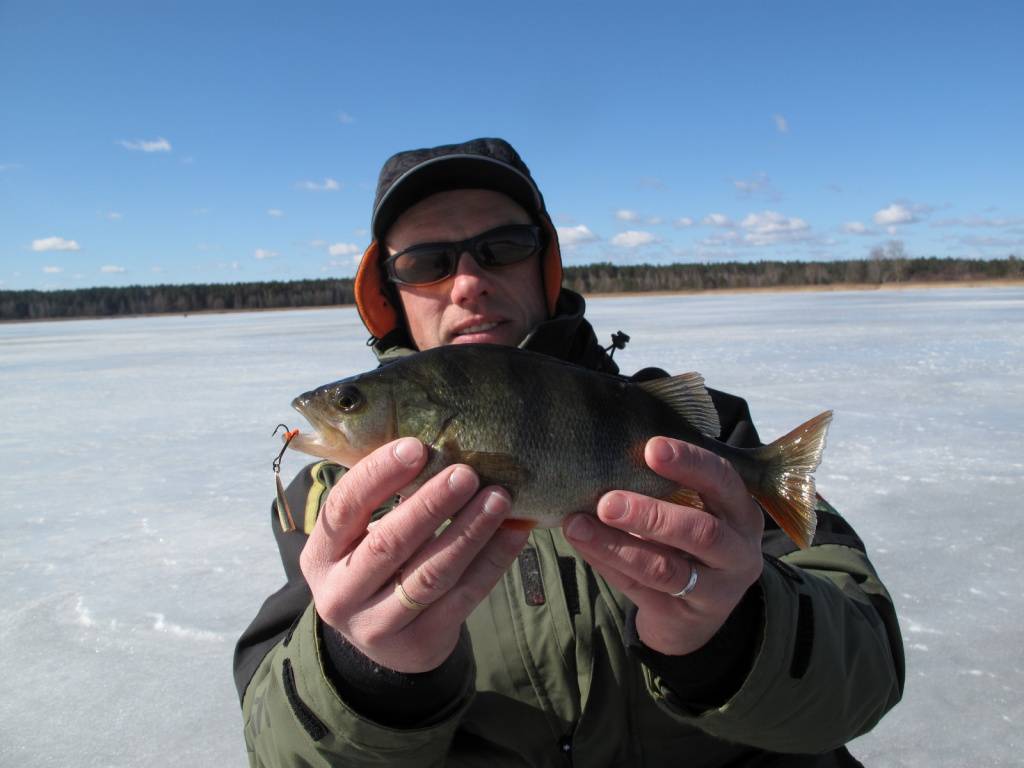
<point>404,599</point>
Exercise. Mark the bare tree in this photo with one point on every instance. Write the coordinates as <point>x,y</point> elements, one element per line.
<point>897,256</point>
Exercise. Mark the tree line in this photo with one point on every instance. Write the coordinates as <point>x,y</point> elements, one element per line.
<point>878,269</point>
<point>883,266</point>
<point>174,299</point>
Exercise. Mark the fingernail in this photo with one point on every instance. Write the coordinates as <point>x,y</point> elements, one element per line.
<point>495,505</point>
<point>409,450</point>
<point>614,506</point>
<point>580,528</point>
<point>661,449</point>
<point>462,480</point>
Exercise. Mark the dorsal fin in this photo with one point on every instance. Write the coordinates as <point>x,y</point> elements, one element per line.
<point>686,395</point>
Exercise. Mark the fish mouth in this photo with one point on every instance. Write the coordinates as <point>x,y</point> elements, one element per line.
<point>312,443</point>
<point>327,440</point>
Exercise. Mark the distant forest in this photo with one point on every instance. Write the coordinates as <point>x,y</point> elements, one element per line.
<point>882,267</point>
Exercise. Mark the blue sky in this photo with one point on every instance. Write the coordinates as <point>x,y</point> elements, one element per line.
<point>147,142</point>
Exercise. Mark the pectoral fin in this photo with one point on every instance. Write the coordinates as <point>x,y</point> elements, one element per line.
<point>496,469</point>
<point>686,497</point>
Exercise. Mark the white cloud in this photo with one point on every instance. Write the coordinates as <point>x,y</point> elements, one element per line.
<point>781,124</point>
<point>652,182</point>
<point>727,239</point>
<point>261,253</point>
<point>717,220</point>
<point>633,239</point>
<point>345,117</point>
<point>770,227</point>
<point>856,228</point>
<point>344,249</point>
<point>329,185</point>
<point>572,237</point>
<point>160,145</point>
<point>351,265</point>
<point>113,270</point>
<point>682,222</point>
<point>115,216</point>
<point>760,186</point>
<point>55,244</point>
<point>894,214</point>
<point>978,221</point>
<point>988,241</point>
<point>275,213</point>
<point>632,217</point>
<point>52,270</point>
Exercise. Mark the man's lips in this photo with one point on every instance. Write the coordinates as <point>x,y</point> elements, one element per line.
<point>476,328</point>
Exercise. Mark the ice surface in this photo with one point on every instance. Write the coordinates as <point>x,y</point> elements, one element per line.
<point>135,463</point>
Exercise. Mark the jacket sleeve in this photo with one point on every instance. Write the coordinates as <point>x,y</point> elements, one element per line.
<point>830,662</point>
<point>294,717</point>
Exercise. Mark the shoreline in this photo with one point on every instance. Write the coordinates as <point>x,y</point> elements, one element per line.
<point>830,288</point>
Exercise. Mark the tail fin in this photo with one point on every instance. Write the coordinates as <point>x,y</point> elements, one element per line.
<point>788,494</point>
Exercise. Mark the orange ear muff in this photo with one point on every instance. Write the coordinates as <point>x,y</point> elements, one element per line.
<point>375,306</point>
<point>551,268</point>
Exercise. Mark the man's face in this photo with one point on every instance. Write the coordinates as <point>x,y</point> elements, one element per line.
<point>474,305</point>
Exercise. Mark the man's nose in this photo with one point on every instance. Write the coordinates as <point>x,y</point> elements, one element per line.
<point>470,279</point>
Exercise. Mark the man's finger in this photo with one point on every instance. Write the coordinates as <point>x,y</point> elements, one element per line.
<point>405,530</point>
<point>365,487</point>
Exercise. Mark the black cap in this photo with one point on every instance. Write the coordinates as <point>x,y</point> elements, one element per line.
<point>409,177</point>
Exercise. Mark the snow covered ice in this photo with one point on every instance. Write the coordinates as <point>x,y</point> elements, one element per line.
<point>136,487</point>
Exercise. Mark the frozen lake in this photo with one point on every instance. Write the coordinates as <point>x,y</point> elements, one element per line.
<point>135,456</point>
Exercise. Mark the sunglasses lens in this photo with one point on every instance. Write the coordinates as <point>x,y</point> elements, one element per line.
<point>426,264</point>
<point>507,246</point>
<point>501,247</point>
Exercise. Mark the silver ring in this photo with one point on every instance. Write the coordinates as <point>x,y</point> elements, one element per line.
<point>690,584</point>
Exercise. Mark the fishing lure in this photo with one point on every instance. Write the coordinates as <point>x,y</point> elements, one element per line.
<point>284,514</point>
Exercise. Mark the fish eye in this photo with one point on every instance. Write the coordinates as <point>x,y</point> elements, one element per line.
<point>348,398</point>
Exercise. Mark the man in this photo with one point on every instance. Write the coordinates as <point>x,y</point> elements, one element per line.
<point>652,634</point>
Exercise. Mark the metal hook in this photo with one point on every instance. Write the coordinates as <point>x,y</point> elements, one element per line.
<point>289,434</point>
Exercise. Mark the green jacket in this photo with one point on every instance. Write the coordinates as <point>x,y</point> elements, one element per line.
<point>554,681</point>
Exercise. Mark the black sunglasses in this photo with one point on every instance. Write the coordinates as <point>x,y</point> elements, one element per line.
<point>433,262</point>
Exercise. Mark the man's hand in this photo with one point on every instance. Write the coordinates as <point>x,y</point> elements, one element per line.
<point>352,568</point>
<point>646,547</point>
